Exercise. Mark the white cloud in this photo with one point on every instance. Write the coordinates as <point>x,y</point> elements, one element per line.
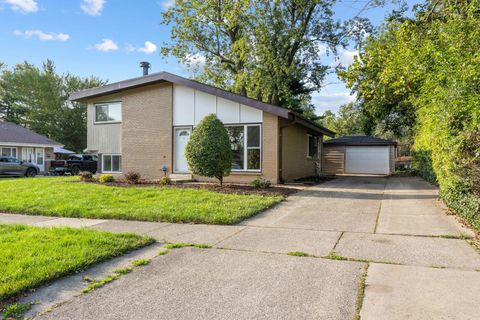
<point>149,47</point>
<point>345,57</point>
<point>166,4</point>
<point>92,7</point>
<point>43,36</point>
<point>24,6</point>
<point>106,45</point>
<point>331,101</point>
<point>196,59</point>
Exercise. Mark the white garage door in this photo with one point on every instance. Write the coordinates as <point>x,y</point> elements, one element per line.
<point>373,160</point>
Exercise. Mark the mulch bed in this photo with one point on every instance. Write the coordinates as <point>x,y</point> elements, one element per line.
<point>227,187</point>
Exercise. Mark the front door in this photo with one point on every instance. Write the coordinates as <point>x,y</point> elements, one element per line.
<point>28,155</point>
<point>182,135</point>
<point>39,157</point>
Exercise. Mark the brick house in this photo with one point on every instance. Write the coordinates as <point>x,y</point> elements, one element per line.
<point>143,124</point>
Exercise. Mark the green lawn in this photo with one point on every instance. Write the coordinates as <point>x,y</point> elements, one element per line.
<point>30,256</point>
<point>67,197</point>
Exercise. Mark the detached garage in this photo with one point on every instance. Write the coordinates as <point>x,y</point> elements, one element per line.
<point>358,155</point>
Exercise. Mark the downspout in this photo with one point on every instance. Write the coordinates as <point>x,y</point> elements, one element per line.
<point>280,147</point>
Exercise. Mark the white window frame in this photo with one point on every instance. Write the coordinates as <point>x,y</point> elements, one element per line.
<point>11,148</point>
<point>316,156</point>
<point>108,105</point>
<point>111,155</point>
<point>246,148</point>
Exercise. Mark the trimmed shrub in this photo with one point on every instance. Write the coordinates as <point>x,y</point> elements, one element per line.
<point>105,178</point>
<point>132,177</point>
<point>261,183</point>
<point>86,176</point>
<point>165,181</point>
<point>209,152</point>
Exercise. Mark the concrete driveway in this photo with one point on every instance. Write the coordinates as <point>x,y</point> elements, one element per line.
<point>389,233</point>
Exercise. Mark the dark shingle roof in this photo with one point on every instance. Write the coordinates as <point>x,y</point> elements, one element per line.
<point>173,78</point>
<point>360,141</point>
<point>12,133</point>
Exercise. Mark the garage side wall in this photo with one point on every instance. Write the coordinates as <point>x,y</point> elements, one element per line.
<point>333,159</point>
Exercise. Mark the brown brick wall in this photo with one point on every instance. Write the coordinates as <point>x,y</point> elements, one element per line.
<point>270,137</point>
<point>147,130</point>
<point>295,163</point>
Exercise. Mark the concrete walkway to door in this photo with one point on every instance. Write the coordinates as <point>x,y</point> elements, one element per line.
<point>392,231</point>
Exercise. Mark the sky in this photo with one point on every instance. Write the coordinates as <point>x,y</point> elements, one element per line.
<point>108,39</point>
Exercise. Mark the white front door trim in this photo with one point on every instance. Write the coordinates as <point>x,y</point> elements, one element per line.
<point>40,158</point>
<point>181,138</point>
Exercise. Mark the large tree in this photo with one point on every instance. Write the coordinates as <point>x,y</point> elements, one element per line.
<point>269,50</point>
<point>421,77</point>
<point>348,120</point>
<point>37,98</point>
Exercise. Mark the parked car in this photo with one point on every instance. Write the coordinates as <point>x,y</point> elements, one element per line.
<point>74,165</point>
<point>10,166</point>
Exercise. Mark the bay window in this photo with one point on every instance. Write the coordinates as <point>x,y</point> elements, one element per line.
<point>245,141</point>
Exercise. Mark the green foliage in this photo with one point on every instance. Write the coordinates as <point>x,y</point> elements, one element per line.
<point>16,310</point>
<point>348,121</point>
<point>179,245</point>
<point>434,98</point>
<point>95,284</point>
<point>208,151</point>
<point>37,98</point>
<point>267,50</point>
<point>422,161</point>
<point>261,183</point>
<point>165,180</point>
<point>300,254</point>
<point>32,256</point>
<point>132,177</point>
<point>123,270</point>
<point>106,178</point>
<point>65,197</point>
<point>141,262</point>
<point>86,176</point>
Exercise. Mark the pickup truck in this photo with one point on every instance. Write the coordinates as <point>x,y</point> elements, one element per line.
<point>74,165</point>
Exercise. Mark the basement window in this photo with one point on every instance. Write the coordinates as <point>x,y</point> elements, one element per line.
<point>111,163</point>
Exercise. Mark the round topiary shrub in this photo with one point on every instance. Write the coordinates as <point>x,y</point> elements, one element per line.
<point>208,152</point>
<point>105,178</point>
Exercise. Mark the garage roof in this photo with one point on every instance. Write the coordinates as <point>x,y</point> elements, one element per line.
<point>360,141</point>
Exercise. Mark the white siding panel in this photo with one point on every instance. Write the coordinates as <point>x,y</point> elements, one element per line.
<point>249,114</point>
<point>183,105</point>
<point>228,111</point>
<point>205,104</point>
<point>103,138</point>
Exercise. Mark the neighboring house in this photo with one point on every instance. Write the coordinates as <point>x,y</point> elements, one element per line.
<point>143,124</point>
<point>26,145</point>
<point>359,155</point>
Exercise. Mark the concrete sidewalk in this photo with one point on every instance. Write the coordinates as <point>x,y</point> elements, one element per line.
<point>420,266</point>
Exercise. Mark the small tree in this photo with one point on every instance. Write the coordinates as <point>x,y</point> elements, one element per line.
<point>208,152</point>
